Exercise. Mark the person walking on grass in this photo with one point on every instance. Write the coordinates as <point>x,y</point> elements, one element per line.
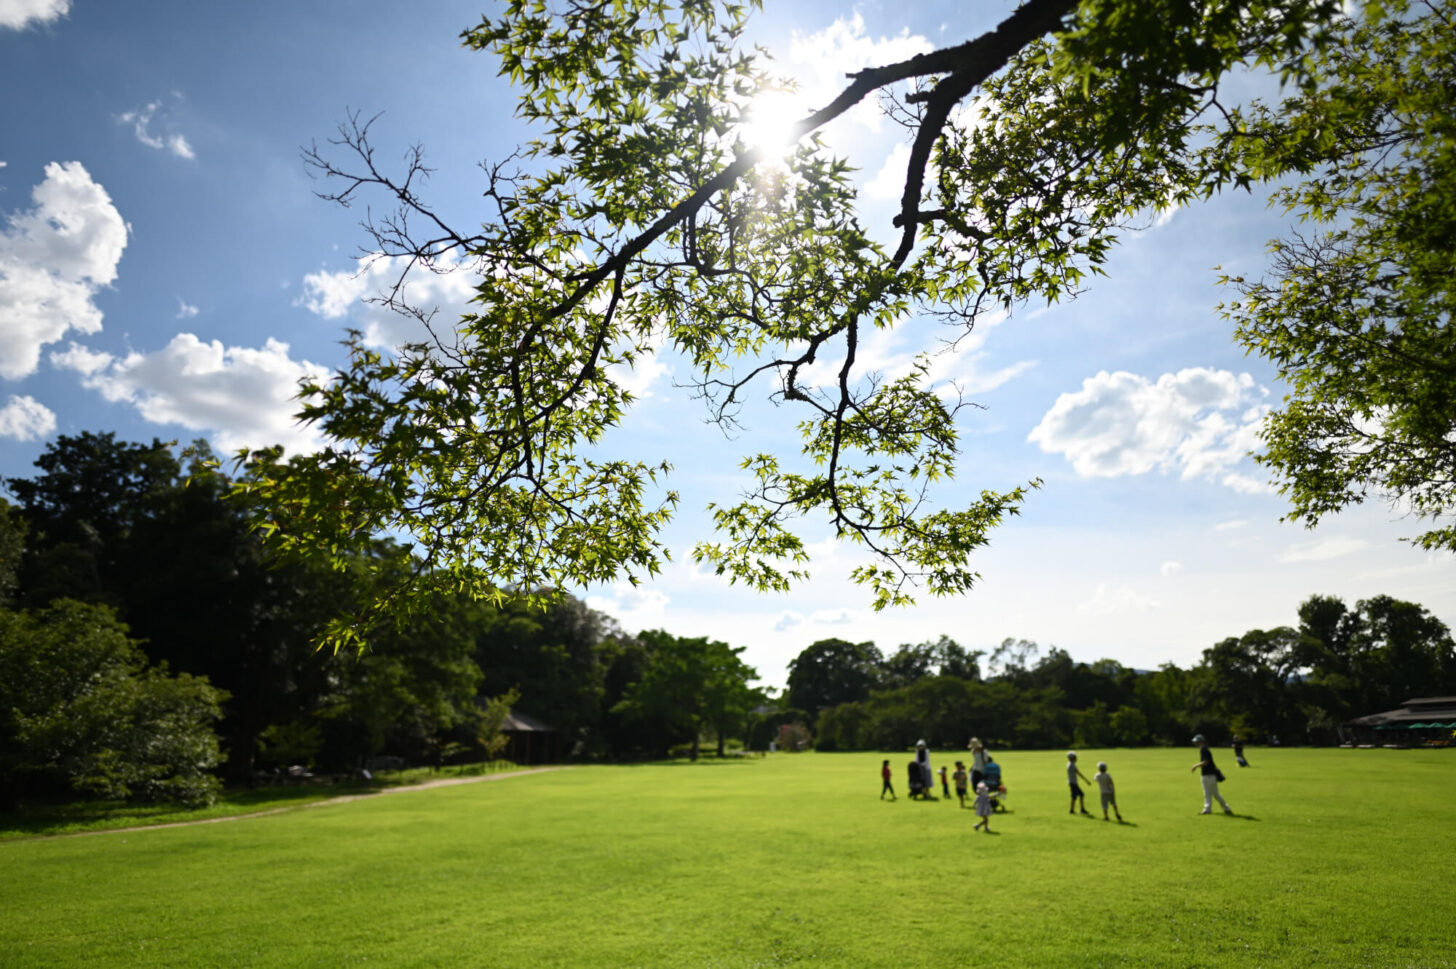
<point>927,776</point>
<point>1239,752</point>
<point>983,806</point>
<point>960,779</point>
<point>885,786</point>
<point>1210,775</point>
<point>979,758</point>
<point>1073,773</point>
<point>1109,796</point>
<point>944,783</point>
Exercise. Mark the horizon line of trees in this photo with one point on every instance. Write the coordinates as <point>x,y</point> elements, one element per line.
<point>153,646</point>
<point>1297,683</point>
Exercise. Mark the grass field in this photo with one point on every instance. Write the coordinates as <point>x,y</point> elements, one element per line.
<point>1336,858</point>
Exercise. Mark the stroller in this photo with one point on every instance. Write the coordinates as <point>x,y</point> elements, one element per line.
<point>991,777</point>
<point>919,784</point>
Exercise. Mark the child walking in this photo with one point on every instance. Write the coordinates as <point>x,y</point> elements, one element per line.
<point>983,806</point>
<point>1109,797</point>
<point>944,785</point>
<point>1073,772</point>
<point>960,779</point>
<point>886,786</point>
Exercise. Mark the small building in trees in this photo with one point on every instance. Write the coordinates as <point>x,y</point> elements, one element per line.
<point>529,741</point>
<point>1421,722</point>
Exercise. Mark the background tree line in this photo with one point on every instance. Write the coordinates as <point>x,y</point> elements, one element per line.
<point>1294,682</point>
<point>151,646</point>
<point>151,643</point>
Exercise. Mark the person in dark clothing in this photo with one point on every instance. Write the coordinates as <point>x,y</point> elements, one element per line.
<point>1209,774</point>
<point>1239,752</point>
<point>1073,773</point>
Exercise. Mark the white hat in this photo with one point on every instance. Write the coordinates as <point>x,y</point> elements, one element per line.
<point>920,743</point>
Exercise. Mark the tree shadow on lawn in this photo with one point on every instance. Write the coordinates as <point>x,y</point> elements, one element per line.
<point>43,818</point>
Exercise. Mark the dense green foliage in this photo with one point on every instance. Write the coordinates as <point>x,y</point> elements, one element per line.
<point>1358,315</point>
<point>82,713</point>
<point>788,860</point>
<point>688,686</point>
<point>128,528</point>
<point>637,218</point>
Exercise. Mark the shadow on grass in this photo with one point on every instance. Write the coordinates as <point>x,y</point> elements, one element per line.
<point>43,818</point>
<point>65,818</point>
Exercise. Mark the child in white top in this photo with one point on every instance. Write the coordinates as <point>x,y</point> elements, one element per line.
<point>1109,797</point>
<point>983,807</point>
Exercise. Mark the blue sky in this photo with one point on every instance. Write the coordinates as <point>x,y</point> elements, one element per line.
<point>166,271</point>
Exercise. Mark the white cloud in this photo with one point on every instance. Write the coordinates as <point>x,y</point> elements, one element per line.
<point>1323,549</point>
<point>19,14</point>
<point>185,310</point>
<point>635,607</point>
<point>1229,526</point>
<point>832,617</point>
<point>1246,485</point>
<point>893,353</point>
<point>639,378</point>
<point>1120,601</point>
<point>889,182</point>
<point>179,146</point>
<point>141,122</point>
<point>53,259</point>
<point>240,396</point>
<point>80,359</point>
<point>1170,568</point>
<point>787,620</point>
<point>337,295</point>
<point>1198,422</point>
<point>25,419</point>
<point>821,60</point>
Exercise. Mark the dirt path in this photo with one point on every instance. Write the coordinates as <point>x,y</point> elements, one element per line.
<point>341,799</point>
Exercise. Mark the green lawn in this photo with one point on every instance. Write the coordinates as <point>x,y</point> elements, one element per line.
<point>1336,858</point>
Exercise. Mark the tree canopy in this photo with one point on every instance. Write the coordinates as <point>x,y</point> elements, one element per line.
<point>638,219</point>
<point>1298,683</point>
<point>1357,315</point>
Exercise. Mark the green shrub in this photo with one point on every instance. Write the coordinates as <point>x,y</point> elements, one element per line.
<point>79,708</point>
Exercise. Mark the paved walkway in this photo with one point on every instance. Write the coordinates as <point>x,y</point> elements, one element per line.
<point>341,799</point>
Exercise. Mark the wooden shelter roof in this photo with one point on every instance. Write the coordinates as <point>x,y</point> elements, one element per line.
<point>1422,710</point>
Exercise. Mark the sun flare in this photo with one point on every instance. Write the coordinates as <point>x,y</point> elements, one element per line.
<point>768,123</point>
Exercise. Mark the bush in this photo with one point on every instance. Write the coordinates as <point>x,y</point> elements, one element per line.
<point>79,706</point>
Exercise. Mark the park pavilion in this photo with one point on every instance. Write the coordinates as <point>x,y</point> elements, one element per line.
<point>1422,722</point>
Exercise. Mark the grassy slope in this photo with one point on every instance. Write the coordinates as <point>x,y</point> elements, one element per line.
<point>1339,858</point>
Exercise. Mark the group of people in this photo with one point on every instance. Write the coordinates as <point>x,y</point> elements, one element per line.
<point>1102,779</point>
<point>982,778</point>
<point>922,780</point>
